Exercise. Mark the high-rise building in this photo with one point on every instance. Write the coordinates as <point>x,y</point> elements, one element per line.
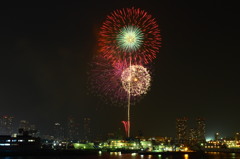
<point>192,135</point>
<point>201,126</point>
<point>237,136</point>
<point>6,125</point>
<point>58,132</point>
<point>86,128</point>
<point>73,130</point>
<point>28,129</point>
<point>182,130</point>
<point>24,125</point>
<point>216,136</point>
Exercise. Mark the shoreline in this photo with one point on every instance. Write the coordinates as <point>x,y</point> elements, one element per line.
<point>48,152</point>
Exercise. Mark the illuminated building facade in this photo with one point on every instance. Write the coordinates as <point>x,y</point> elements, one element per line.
<point>216,136</point>
<point>58,132</point>
<point>72,130</point>
<point>237,136</point>
<point>182,130</point>
<point>20,142</point>
<point>200,129</point>
<point>6,125</point>
<point>24,124</point>
<point>192,135</point>
<point>28,129</point>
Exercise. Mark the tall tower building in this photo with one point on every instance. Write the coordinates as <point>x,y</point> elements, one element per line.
<point>182,130</point>
<point>73,130</point>
<point>201,126</point>
<point>6,125</point>
<point>24,125</point>
<point>28,129</point>
<point>216,136</point>
<point>237,136</point>
<point>58,132</point>
<point>192,135</point>
<point>86,128</point>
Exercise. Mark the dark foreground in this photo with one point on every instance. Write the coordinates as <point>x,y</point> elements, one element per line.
<point>116,155</point>
<point>48,152</point>
<point>43,152</point>
<point>95,154</point>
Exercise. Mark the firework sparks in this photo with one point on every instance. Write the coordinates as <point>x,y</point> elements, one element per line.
<point>105,81</point>
<point>129,33</point>
<point>130,38</point>
<point>136,80</point>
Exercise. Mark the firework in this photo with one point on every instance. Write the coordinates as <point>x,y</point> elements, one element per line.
<point>136,80</point>
<point>105,81</point>
<point>130,38</point>
<point>129,33</point>
<point>126,126</point>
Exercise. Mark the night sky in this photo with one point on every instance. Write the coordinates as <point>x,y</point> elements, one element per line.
<point>46,49</point>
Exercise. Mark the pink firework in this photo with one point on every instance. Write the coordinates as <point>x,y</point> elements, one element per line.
<point>129,33</point>
<point>105,81</point>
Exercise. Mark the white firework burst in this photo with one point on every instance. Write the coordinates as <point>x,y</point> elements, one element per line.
<point>136,80</point>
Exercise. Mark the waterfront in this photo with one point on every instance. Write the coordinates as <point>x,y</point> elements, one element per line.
<point>212,155</point>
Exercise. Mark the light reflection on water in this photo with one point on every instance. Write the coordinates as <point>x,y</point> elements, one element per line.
<point>118,155</point>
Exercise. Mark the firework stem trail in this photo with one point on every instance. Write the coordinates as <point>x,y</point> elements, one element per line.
<point>129,99</point>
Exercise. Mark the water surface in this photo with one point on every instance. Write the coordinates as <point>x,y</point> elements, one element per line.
<point>213,155</point>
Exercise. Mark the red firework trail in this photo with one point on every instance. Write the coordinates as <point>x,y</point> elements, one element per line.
<point>125,124</point>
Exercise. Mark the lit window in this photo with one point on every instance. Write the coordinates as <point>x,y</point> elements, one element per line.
<point>4,144</point>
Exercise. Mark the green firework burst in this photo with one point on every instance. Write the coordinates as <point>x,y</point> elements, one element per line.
<point>130,38</point>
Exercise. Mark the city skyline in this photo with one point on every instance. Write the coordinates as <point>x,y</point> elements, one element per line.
<point>46,50</point>
<point>71,130</point>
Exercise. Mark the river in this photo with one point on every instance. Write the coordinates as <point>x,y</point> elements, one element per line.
<point>212,155</point>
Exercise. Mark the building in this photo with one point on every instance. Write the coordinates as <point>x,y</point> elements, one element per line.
<point>192,135</point>
<point>86,128</point>
<point>216,136</point>
<point>200,129</point>
<point>26,127</point>
<point>21,142</point>
<point>237,136</point>
<point>58,132</point>
<point>182,130</point>
<point>24,124</point>
<point>73,130</point>
<point>6,125</point>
